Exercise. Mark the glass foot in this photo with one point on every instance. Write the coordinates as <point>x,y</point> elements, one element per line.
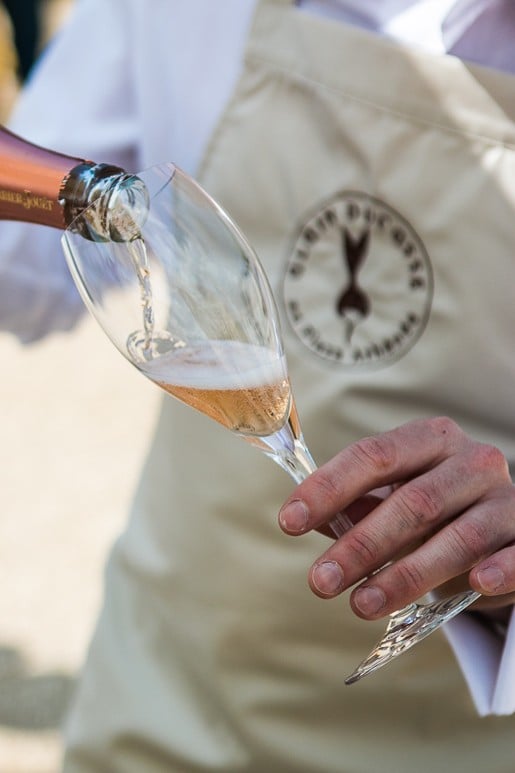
<point>407,627</point>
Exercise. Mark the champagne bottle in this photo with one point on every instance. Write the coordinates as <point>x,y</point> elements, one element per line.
<point>42,186</point>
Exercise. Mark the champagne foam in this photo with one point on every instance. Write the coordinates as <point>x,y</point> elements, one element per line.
<point>217,365</point>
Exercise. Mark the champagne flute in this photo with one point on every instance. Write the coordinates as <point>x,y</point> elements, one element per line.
<point>183,296</point>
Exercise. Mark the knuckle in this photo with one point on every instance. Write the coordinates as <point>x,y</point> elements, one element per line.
<point>422,503</point>
<point>363,548</point>
<point>409,578</point>
<point>376,453</point>
<point>469,542</point>
<point>329,489</point>
<point>444,425</point>
<point>488,457</point>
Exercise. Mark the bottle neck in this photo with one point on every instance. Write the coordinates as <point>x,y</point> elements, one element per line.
<point>31,180</point>
<point>41,186</point>
<point>89,190</point>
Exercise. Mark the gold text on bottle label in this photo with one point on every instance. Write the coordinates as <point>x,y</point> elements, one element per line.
<point>26,199</point>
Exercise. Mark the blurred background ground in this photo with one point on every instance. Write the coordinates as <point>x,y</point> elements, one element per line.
<point>75,421</point>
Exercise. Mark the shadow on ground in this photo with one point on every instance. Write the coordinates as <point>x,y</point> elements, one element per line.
<point>31,702</point>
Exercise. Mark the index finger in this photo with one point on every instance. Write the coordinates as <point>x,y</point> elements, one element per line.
<point>368,464</point>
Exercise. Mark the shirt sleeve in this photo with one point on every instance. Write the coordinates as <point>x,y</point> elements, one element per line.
<point>487,662</point>
<point>78,101</point>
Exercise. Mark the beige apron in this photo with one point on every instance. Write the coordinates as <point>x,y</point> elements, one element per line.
<point>377,186</point>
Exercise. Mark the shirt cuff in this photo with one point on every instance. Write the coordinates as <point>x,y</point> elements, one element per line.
<point>487,662</point>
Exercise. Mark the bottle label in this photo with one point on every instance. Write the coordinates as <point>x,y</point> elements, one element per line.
<point>27,200</point>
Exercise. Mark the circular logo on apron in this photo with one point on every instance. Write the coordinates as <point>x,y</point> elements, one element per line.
<point>358,283</point>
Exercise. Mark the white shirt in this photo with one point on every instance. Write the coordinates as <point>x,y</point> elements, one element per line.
<point>112,107</point>
<point>96,94</point>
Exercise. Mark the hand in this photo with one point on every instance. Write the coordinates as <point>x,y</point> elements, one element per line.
<point>430,506</point>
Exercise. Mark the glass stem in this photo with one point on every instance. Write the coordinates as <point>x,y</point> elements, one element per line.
<point>288,449</point>
<point>297,460</point>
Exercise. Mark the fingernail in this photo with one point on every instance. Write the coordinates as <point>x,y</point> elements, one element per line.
<point>491,578</point>
<point>293,517</point>
<point>327,578</point>
<point>369,601</point>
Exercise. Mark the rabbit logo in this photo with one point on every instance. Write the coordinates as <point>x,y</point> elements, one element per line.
<point>358,283</point>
